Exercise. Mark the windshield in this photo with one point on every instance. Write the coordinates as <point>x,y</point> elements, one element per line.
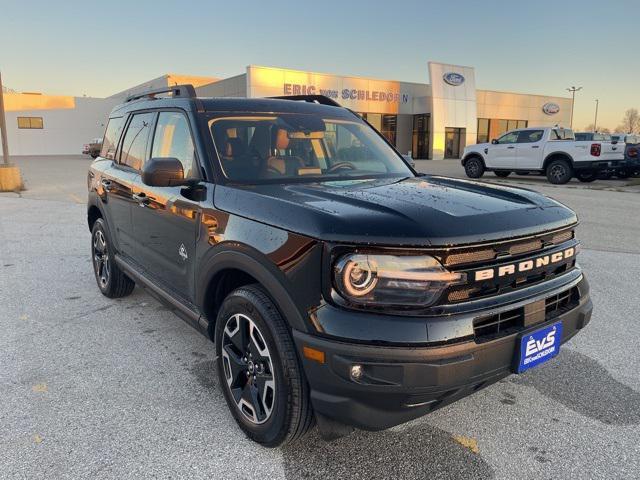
<point>259,148</point>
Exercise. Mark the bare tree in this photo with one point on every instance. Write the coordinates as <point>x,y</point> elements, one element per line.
<point>591,128</point>
<point>630,121</point>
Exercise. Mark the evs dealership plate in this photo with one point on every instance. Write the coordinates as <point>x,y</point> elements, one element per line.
<point>539,346</point>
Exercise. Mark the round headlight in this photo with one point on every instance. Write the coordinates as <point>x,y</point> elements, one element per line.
<point>358,278</point>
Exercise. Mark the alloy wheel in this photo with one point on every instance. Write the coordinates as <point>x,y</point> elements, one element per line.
<point>248,369</point>
<point>558,172</point>
<point>101,260</point>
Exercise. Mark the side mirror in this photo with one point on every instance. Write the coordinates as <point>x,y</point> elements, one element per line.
<point>163,172</point>
<point>494,142</point>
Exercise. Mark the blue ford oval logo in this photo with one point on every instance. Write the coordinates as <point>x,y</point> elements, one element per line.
<point>551,108</point>
<point>453,78</point>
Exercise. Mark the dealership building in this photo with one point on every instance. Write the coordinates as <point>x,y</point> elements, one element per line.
<point>432,120</point>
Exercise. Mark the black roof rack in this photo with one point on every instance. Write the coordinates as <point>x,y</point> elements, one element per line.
<point>321,99</point>
<point>184,91</point>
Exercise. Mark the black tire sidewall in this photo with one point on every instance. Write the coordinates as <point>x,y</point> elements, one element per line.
<point>567,176</point>
<point>480,167</point>
<point>101,225</point>
<point>275,428</point>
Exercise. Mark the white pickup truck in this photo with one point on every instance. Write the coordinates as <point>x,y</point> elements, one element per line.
<point>551,151</point>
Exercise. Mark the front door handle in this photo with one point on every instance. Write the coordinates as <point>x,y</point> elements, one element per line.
<point>141,198</point>
<point>106,184</point>
<point>535,146</point>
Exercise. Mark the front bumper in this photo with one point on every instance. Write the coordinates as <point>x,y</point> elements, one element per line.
<point>401,383</point>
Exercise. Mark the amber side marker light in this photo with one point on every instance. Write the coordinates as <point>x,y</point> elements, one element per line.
<point>313,354</point>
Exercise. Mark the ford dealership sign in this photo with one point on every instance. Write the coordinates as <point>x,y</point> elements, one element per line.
<point>551,108</point>
<point>453,78</point>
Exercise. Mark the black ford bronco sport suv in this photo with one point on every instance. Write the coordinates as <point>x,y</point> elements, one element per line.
<point>337,284</point>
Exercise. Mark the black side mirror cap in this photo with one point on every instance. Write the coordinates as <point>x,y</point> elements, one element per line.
<point>494,142</point>
<point>163,172</point>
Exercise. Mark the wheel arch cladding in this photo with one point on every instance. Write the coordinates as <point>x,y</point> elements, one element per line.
<point>242,266</point>
<point>557,156</point>
<point>473,155</point>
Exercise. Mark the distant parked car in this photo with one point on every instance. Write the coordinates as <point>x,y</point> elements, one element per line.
<point>92,148</point>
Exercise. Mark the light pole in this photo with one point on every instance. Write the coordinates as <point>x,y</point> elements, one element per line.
<point>595,121</point>
<point>3,127</point>
<point>573,91</point>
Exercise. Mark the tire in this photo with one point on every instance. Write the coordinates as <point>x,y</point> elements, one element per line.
<point>474,167</point>
<point>623,173</point>
<point>278,410</point>
<point>502,173</point>
<point>112,281</point>
<point>559,172</point>
<point>586,176</point>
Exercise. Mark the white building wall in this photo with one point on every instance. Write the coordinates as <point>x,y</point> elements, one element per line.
<point>66,127</point>
<point>519,106</point>
<point>229,87</point>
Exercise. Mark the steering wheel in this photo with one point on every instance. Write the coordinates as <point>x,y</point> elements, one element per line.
<point>341,165</point>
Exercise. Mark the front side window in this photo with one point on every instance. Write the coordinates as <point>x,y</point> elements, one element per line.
<point>530,136</point>
<point>272,148</point>
<point>111,137</point>
<point>173,139</point>
<point>511,137</point>
<point>134,145</point>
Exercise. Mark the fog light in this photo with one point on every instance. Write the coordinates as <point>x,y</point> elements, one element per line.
<point>357,372</point>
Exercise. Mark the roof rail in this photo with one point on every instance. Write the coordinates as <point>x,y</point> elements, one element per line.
<point>185,91</point>
<point>321,99</point>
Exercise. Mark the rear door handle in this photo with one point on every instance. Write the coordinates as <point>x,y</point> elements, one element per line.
<point>141,198</point>
<point>106,184</point>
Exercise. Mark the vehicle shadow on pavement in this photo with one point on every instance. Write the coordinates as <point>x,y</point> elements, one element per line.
<point>420,451</point>
<point>581,384</point>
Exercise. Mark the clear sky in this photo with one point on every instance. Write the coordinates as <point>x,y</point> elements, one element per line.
<point>99,48</point>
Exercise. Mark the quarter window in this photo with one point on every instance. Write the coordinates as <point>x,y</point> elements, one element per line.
<point>173,139</point>
<point>30,123</point>
<point>134,145</point>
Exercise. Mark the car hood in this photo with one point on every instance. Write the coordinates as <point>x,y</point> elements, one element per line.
<point>417,211</point>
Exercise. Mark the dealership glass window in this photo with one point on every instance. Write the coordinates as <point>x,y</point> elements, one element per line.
<point>483,130</point>
<point>522,124</point>
<point>389,127</point>
<point>30,123</point>
<point>499,126</point>
<point>420,138</point>
<point>173,139</point>
<point>111,137</point>
<point>134,145</point>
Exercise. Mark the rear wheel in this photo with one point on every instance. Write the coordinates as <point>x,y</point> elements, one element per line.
<point>586,176</point>
<point>112,281</point>
<point>474,167</point>
<point>559,172</point>
<point>260,375</point>
<point>502,173</point>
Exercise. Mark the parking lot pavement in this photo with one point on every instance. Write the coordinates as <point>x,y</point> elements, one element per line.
<point>98,388</point>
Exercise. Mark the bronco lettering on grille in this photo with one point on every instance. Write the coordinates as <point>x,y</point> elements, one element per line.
<point>524,266</point>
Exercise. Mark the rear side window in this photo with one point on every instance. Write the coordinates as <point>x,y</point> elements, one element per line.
<point>134,145</point>
<point>561,134</point>
<point>530,136</point>
<point>111,137</point>
<point>173,139</point>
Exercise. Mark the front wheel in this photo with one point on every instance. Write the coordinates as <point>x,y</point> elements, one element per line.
<point>474,167</point>
<point>559,172</point>
<point>623,173</point>
<point>259,372</point>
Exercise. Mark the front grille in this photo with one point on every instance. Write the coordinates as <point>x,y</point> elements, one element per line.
<point>512,321</point>
<point>465,256</point>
